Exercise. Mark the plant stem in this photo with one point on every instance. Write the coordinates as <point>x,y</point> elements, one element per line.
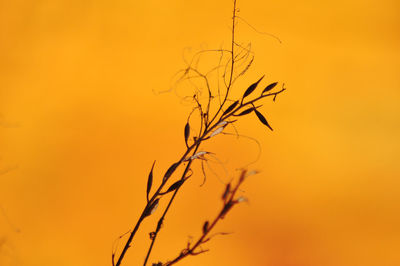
<point>167,208</point>
<point>142,216</point>
<point>232,63</point>
<point>220,216</point>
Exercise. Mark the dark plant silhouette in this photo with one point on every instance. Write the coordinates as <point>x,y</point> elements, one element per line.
<point>229,200</point>
<point>216,111</point>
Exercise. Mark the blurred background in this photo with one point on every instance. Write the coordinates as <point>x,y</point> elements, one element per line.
<point>81,123</point>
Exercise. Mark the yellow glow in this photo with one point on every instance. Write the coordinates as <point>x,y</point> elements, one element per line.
<point>80,126</point>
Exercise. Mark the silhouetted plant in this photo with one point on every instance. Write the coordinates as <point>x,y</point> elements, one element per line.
<point>229,200</point>
<point>214,116</point>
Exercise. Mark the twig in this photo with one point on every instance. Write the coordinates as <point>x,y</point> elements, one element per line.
<point>223,116</point>
<point>228,199</point>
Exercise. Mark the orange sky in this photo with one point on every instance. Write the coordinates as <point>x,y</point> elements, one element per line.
<point>80,126</point>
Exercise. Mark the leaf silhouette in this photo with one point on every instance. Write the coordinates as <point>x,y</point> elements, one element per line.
<point>217,131</point>
<point>245,112</point>
<point>230,108</point>
<point>262,119</point>
<point>150,181</point>
<point>227,190</point>
<point>222,123</point>
<point>176,185</point>
<point>171,170</point>
<point>226,208</point>
<point>205,227</point>
<point>151,208</point>
<point>269,87</point>
<point>251,88</point>
<point>197,155</point>
<point>187,133</point>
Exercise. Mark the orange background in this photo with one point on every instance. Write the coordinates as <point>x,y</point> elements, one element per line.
<point>80,127</point>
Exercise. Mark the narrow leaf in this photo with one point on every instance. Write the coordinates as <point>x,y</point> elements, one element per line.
<point>150,181</point>
<point>226,208</point>
<point>245,112</point>
<point>230,108</point>
<point>262,119</point>
<point>171,170</point>
<point>152,207</point>
<point>187,133</point>
<point>252,172</point>
<point>176,185</point>
<point>197,155</point>
<point>226,192</point>
<point>205,227</point>
<point>222,123</point>
<point>269,87</point>
<point>241,199</point>
<point>251,88</point>
<point>217,131</point>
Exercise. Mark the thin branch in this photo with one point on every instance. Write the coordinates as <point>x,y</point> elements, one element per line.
<point>208,129</point>
<point>228,87</point>
<point>229,201</point>
<point>166,210</point>
<point>260,32</point>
